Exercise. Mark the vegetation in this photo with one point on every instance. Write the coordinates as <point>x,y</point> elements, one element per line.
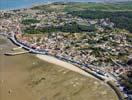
<point>121,19</point>
<point>50,7</point>
<point>99,6</point>
<point>85,6</point>
<point>29,21</point>
<point>72,28</point>
<point>119,13</point>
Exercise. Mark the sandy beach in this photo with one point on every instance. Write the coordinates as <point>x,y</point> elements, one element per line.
<point>25,77</point>
<point>66,65</point>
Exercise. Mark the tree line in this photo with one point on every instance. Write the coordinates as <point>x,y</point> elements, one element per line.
<point>122,19</point>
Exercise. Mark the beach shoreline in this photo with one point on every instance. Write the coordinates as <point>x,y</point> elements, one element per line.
<point>61,63</point>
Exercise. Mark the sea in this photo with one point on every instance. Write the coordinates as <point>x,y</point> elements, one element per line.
<point>17,4</point>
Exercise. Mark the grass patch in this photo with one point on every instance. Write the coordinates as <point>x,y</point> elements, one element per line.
<point>29,21</point>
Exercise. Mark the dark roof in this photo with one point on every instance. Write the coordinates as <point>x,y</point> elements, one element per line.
<point>129,62</point>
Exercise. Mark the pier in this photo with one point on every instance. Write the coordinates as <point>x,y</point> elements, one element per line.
<point>15,53</point>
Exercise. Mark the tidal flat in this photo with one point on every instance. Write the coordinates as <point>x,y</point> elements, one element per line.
<point>25,77</point>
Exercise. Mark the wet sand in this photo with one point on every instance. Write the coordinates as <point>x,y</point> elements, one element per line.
<point>24,77</point>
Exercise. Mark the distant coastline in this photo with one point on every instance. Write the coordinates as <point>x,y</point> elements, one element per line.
<point>23,6</point>
<point>15,4</point>
<point>39,4</point>
<point>6,5</point>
